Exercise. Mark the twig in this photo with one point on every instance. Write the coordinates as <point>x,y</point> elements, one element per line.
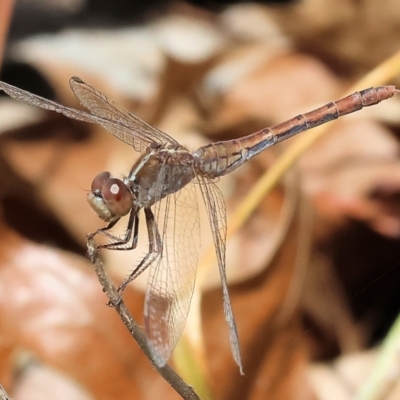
<point>3,394</point>
<point>177,383</point>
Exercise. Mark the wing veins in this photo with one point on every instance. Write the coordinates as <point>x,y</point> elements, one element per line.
<point>215,206</point>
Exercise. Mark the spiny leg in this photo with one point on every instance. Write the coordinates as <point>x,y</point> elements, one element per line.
<point>155,249</point>
<point>103,231</point>
<point>119,243</point>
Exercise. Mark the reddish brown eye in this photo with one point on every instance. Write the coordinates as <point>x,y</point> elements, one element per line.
<point>117,196</point>
<point>99,180</point>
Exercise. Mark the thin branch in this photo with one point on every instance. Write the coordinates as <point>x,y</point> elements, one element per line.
<point>177,383</point>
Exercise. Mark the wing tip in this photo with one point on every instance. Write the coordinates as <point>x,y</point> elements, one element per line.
<point>159,360</point>
<point>75,79</point>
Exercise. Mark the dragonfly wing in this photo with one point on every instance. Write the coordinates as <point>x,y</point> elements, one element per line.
<point>140,143</point>
<point>172,276</point>
<point>215,205</point>
<point>38,101</point>
<point>139,135</point>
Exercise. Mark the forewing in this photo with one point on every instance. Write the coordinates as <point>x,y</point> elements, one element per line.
<point>215,205</point>
<point>119,130</point>
<point>38,101</point>
<point>139,135</point>
<point>171,280</point>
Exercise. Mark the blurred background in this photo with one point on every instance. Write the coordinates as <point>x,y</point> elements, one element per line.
<point>315,270</point>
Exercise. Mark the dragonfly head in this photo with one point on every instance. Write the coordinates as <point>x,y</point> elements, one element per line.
<point>110,197</point>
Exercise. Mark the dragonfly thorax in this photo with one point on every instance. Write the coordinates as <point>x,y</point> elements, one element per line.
<point>160,173</point>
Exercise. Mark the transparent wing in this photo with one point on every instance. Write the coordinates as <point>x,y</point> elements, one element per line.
<point>38,101</point>
<point>172,276</point>
<point>127,133</point>
<point>139,135</point>
<point>215,205</point>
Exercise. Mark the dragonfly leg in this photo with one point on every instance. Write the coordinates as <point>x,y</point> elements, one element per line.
<point>118,243</point>
<point>102,231</point>
<point>155,250</point>
<point>123,243</point>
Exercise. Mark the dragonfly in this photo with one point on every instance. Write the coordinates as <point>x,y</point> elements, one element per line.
<point>166,183</point>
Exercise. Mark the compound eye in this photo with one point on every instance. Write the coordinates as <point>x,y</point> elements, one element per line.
<point>116,196</point>
<point>99,181</point>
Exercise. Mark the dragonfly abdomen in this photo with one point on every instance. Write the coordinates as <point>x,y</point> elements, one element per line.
<point>330,111</point>
<point>220,158</point>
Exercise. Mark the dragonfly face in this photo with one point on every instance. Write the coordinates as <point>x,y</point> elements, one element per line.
<point>110,197</point>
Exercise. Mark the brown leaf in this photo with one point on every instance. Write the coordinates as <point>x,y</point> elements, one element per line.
<point>354,173</point>
<point>272,346</point>
<point>52,307</point>
<point>270,92</point>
